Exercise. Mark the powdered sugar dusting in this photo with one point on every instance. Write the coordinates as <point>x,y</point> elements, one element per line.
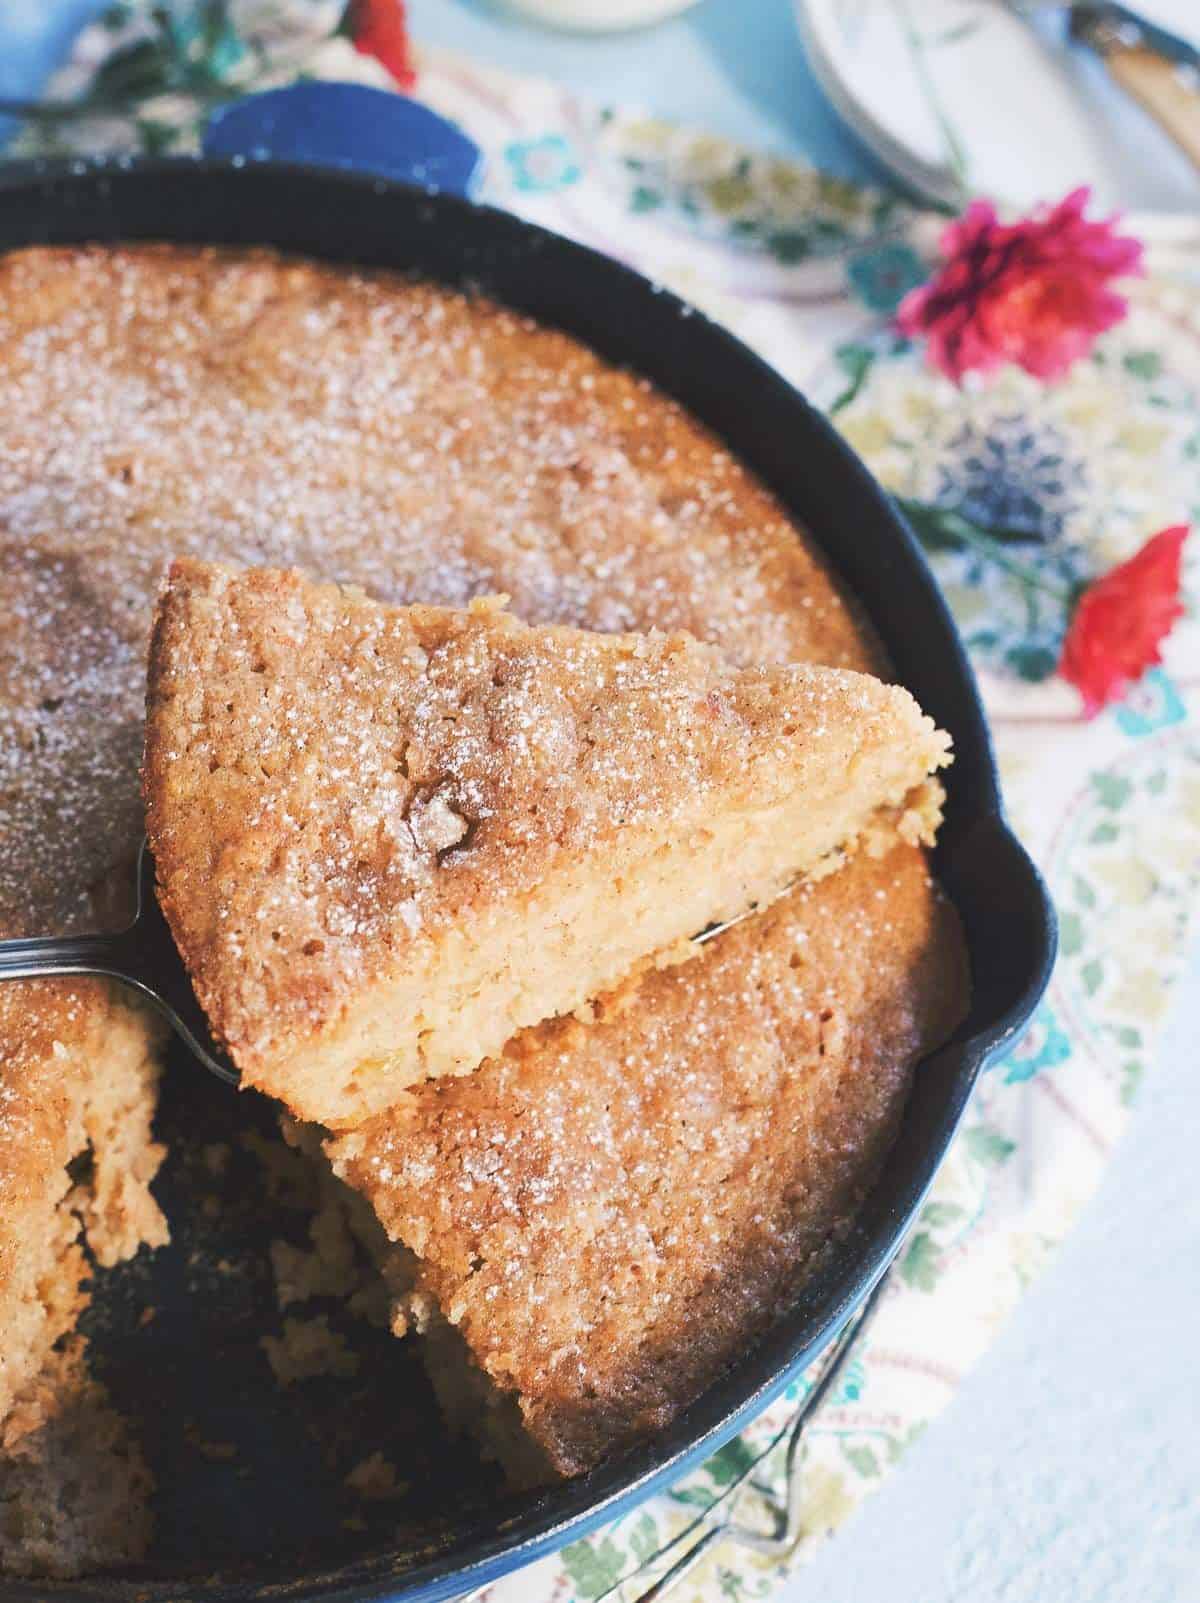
<point>610,1212</point>
<point>328,777</point>
<point>162,402</point>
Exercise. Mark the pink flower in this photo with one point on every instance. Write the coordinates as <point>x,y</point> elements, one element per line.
<point>1121,621</point>
<point>1035,292</point>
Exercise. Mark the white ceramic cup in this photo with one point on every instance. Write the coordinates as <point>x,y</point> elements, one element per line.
<point>598,16</point>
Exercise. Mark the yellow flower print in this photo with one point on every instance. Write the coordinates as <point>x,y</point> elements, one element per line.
<point>1141,437</point>
<point>728,193</point>
<point>1133,881</point>
<point>1086,407</point>
<point>826,1503</point>
<point>966,602</point>
<point>649,133</point>
<point>919,408</point>
<point>1141,995</point>
<point>787,180</point>
<point>1189,796</point>
<point>867,432</point>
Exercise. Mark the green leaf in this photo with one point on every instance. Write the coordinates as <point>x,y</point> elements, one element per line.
<point>1143,364</point>
<point>1157,783</point>
<point>955,35</point>
<point>895,1446</point>
<point>1131,1079</point>
<point>1070,934</point>
<point>1129,1036</point>
<point>643,1539</point>
<point>988,1146</point>
<point>594,1567</point>
<point>730,1463</point>
<point>1092,975</point>
<point>645,199</point>
<point>1103,833</point>
<point>862,1459</point>
<point>1033,664</point>
<point>856,362</point>
<point>938,1214</point>
<point>920,1263</point>
<point>135,73</point>
<point>790,245</point>
<point>693,1496</point>
<point>155,137</point>
<point>1084,894</point>
<point>1112,791</point>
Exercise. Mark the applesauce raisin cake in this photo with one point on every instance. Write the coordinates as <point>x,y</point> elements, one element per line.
<point>424,445</point>
<point>388,838</point>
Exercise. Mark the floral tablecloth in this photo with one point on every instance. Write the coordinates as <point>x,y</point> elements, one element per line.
<point>1077,474</point>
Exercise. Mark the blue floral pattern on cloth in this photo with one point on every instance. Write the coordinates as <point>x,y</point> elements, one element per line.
<point>544,165</point>
<point>850,1387</point>
<point>1151,705</point>
<point>1043,1046</point>
<point>881,278</point>
<point>1017,478</point>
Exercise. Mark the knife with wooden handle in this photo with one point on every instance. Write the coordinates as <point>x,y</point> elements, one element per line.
<point>1157,68</point>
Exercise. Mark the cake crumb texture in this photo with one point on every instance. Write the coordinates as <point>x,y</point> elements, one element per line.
<point>76,1157</point>
<point>430,448</point>
<point>244,408</point>
<point>307,1348</point>
<point>388,837</point>
<point>74,1487</point>
<point>163,401</point>
<point>609,1214</point>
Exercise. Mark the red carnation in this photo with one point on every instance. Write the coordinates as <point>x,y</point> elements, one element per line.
<point>1122,620</point>
<point>379,28</point>
<point>1035,292</point>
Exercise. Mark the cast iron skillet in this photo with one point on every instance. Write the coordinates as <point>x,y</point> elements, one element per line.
<point>267,1522</point>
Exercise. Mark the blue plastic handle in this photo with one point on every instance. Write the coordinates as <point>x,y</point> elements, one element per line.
<point>348,126</point>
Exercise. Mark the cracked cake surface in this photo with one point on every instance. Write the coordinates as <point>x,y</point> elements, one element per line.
<point>388,838</point>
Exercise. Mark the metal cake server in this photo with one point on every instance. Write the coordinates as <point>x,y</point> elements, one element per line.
<point>143,956</point>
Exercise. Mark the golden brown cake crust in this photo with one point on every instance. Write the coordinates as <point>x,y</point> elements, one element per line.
<point>163,401</point>
<point>160,401</point>
<point>611,1213</point>
<point>336,789</point>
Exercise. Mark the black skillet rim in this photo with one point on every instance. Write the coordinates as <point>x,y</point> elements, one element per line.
<point>989,875</point>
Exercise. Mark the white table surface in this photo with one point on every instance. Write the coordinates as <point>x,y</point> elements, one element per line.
<point>1068,1468</point>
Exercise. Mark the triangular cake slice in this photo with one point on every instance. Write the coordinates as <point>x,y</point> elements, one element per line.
<point>388,838</point>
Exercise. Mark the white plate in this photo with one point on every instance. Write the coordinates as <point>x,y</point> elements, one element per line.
<point>1033,114</point>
